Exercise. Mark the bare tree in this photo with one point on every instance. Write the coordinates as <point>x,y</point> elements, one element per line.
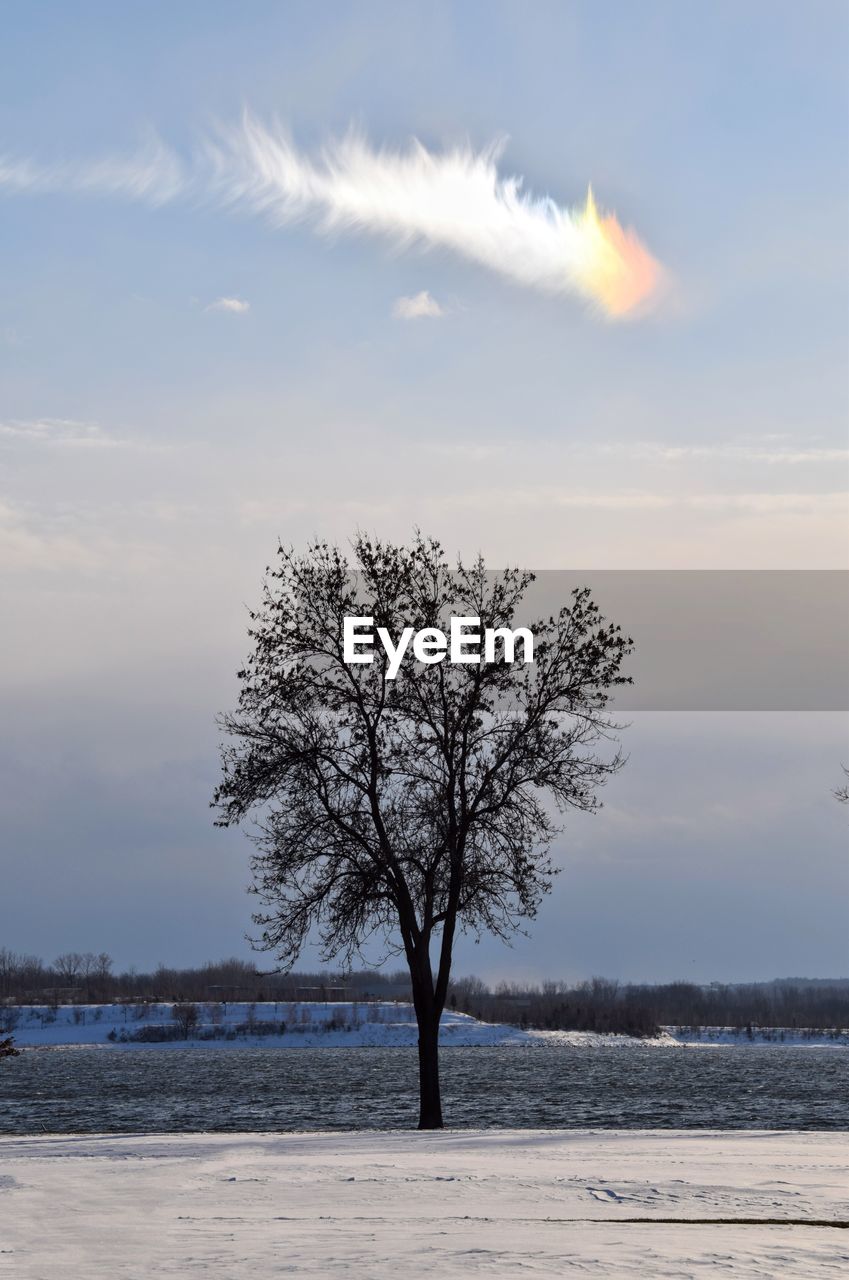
<point>16,971</point>
<point>842,793</point>
<point>414,806</point>
<point>88,971</point>
<point>68,967</point>
<point>186,1017</point>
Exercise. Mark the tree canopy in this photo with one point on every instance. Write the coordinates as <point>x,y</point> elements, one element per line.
<point>410,807</point>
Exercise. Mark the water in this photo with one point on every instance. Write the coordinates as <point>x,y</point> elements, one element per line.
<point>184,1090</point>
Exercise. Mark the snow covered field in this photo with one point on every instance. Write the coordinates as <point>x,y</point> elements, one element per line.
<point>380,1205</point>
<point>328,1025</point>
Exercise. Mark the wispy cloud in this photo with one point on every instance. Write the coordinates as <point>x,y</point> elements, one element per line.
<point>454,200</point>
<point>154,174</point>
<point>59,431</point>
<point>769,452</point>
<point>834,502</point>
<point>419,306</point>
<point>70,433</point>
<point>27,543</point>
<point>236,306</point>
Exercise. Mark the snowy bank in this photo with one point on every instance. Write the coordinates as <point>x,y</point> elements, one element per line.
<point>294,1025</point>
<point>272,1025</point>
<point>378,1205</point>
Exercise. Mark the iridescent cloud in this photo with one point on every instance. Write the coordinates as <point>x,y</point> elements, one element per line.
<point>453,200</point>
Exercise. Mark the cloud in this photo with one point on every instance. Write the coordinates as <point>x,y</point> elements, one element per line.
<point>153,174</point>
<point>454,200</point>
<point>69,433</point>
<point>236,306</point>
<point>767,450</point>
<point>535,497</point>
<point>28,544</point>
<point>59,431</point>
<point>419,305</point>
<point>769,454</point>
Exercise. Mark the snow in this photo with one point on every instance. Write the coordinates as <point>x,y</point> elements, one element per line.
<point>501,1203</point>
<point>332,1025</point>
<point>236,1024</point>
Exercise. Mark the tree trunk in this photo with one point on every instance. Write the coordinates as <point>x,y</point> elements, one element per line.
<point>428,1013</point>
<point>430,1102</point>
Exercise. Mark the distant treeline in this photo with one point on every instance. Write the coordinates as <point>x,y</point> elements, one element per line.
<point>595,1005</point>
<point>86,977</point>
<point>641,1010</point>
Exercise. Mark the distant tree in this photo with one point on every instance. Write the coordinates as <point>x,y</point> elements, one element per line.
<point>842,793</point>
<point>186,1017</point>
<point>18,972</point>
<point>68,967</point>
<point>414,806</point>
<point>8,970</point>
<point>88,971</point>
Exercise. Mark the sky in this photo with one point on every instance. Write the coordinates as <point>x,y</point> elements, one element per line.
<point>285,270</point>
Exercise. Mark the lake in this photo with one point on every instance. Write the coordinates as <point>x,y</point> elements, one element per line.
<point>83,1090</point>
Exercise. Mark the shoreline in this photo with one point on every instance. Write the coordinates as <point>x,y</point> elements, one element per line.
<point>341,1025</point>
